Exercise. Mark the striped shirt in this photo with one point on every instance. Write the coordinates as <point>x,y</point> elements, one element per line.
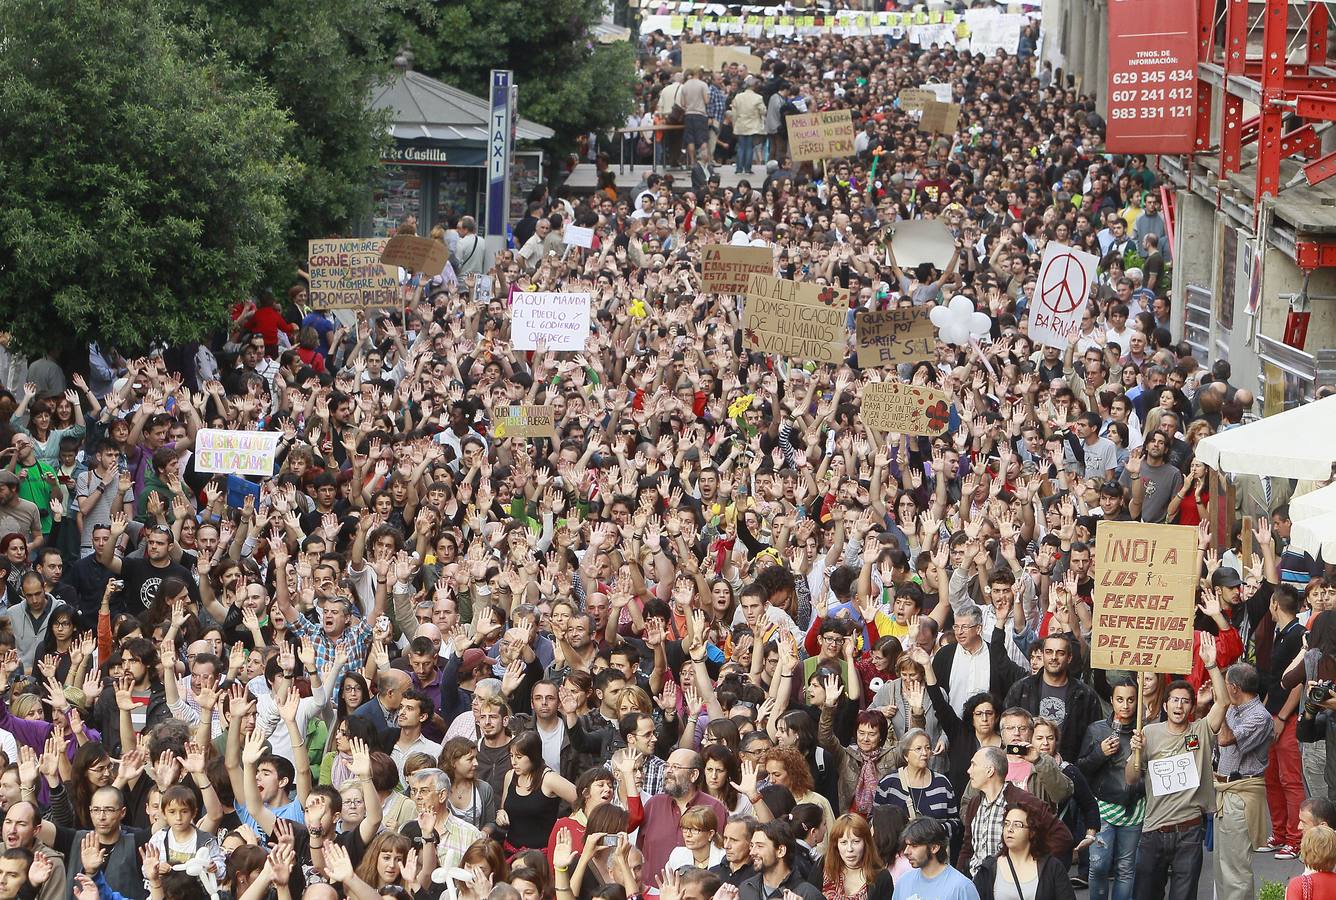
<point>936,801</point>
<point>1115,814</point>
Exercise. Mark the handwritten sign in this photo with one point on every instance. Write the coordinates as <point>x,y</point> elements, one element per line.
<point>579,236</point>
<point>525,422</point>
<point>707,56</point>
<point>236,452</point>
<point>346,273</point>
<point>416,254</point>
<point>905,408</point>
<point>1065,278</point>
<point>725,269</point>
<point>821,135</point>
<point>894,336</point>
<point>1173,774</point>
<point>1145,597</point>
<point>800,320</point>
<point>940,118</point>
<point>912,99</point>
<point>559,321</point>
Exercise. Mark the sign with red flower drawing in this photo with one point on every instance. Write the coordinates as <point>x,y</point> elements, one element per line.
<point>905,408</point>
<point>800,320</point>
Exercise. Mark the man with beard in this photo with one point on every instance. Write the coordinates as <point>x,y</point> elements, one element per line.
<point>662,831</point>
<point>774,848</point>
<point>20,830</point>
<point>1152,480</point>
<point>926,845</point>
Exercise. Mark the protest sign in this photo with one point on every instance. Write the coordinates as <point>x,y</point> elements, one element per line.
<point>821,135</point>
<point>416,254</point>
<point>939,118</point>
<point>943,93</point>
<point>525,422</point>
<point>1145,597</point>
<point>697,56</point>
<point>894,336</point>
<point>922,240</point>
<point>578,236</point>
<point>905,408</point>
<point>558,321</point>
<point>1061,294</point>
<point>236,452</point>
<point>346,273</point>
<point>799,320</point>
<point>912,99</point>
<point>724,56</point>
<point>725,268</point>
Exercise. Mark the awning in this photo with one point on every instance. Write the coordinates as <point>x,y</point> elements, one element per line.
<point>424,108</point>
<point>1315,535</point>
<point>1313,504</point>
<point>1298,443</point>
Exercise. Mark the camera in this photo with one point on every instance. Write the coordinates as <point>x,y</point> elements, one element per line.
<point>1319,692</point>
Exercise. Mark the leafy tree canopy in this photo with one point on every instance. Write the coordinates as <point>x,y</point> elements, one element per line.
<point>143,188</point>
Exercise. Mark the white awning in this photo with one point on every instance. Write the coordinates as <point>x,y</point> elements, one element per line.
<point>1314,503</point>
<point>1315,536</point>
<point>1298,443</point>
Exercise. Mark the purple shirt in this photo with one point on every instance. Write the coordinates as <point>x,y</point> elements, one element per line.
<point>662,828</point>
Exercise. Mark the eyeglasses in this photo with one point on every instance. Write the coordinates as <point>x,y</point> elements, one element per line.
<point>106,810</point>
<point>1013,825</point>
<point>677,768</point>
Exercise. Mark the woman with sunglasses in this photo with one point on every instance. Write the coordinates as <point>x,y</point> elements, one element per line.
<point>1023,867</point>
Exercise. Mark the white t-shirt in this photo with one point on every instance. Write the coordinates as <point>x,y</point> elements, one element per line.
<point>552,741</point>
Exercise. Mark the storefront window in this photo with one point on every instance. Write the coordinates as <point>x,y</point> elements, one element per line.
<point>398,196</point>
<point>1283,389</point>
<point>455,195</point>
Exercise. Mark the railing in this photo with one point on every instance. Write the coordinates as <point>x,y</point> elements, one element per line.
<point>621,145</point>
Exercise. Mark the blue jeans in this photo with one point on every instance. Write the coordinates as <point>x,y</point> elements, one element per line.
<point>1114,853</point>
<point>1170,860</point>
<point>744,162</point>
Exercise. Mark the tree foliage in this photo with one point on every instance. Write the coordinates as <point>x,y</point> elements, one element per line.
<point>321,59</point>
<point>143,188</point>
<point>567,81</point>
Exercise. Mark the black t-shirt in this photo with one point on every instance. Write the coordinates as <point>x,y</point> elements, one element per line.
<point>141,584</point>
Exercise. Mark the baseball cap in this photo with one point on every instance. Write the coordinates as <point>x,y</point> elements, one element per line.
<point>1225,576</point>
<point>9,478</point>
<point>472,658</point>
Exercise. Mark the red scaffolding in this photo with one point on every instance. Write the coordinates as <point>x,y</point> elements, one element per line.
<point>1278,89</point>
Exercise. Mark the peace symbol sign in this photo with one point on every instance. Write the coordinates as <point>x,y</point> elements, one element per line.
<point>1063,273</point>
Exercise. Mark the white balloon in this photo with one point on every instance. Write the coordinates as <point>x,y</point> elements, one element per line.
<point>957,322</point>
<point>739,239</point>
<point>980,324</point>
<point>759,242</point>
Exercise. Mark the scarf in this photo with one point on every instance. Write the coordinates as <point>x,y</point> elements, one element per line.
<point>866,789</point>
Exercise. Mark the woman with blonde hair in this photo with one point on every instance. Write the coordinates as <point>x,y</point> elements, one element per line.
<point>1318,852</point>
<point>701,843</point>
<point>854,870</point>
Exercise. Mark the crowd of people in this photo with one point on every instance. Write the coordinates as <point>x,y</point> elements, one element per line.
<point>715,639</point>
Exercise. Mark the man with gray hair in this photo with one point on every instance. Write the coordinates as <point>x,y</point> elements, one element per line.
<point>971,666</point>
<point>447,836</point>
<point>1240,784</point>
<point>468,253</point>
<point>983,815</point>
<point>466,724</point>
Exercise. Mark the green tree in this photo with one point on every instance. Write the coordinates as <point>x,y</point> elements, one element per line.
<point>567,81</point>
<point>142,188</point>
<point>321,59</point>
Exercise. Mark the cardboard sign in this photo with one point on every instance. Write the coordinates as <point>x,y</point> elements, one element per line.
<point>821,135</point>
<point>1145,597</point>
<point>922,240</point>
<point>525,422</point>
<point>796,319</point>
<point>346,273</point>
<point>912,99</point>
<point>1152,87</point>
<point>1061,294</point>
<point>939,118</point>
<point>905,408</point>
<point>558,321</point>
<point>707,56</point>
<point>578,236</point>
<point>894,336</point>
<point>236,452</point>
<point>726,269</point>
<point>416,254</point>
